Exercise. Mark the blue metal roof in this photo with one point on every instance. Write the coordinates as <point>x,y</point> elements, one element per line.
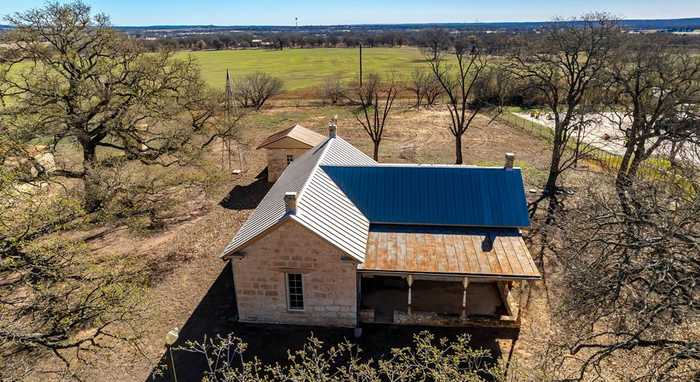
<point>435,195</point>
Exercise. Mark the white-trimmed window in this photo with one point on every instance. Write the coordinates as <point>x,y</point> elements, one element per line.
<point>295,292</point>
<point>290,158</point>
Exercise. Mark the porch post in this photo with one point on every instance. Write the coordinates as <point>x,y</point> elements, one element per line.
<point>409,280</point>
<point>465,284</point>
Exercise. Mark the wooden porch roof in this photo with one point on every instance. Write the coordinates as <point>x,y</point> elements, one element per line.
<point>449,250</point>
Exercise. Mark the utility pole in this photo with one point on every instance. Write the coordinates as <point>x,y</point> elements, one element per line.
<point>226,141</point>
<point>229,96</point>
<point>360,64</point>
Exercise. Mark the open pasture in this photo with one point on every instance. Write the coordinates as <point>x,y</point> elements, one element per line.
<point>303,69</point>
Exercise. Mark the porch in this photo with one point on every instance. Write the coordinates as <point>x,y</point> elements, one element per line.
<point>437,300</point>
<point>443,276</point>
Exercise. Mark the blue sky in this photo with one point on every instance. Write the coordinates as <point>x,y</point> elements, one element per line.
<point>282,12</point>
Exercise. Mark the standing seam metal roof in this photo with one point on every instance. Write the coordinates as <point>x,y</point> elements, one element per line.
<point>341,191</point>
<point>321,206</point>
<point>435,195</point>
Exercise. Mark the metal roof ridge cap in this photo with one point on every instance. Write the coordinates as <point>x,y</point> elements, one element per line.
<point>419,165</point>
<point>374,162</point>
<point>341,189</point>
<point>302,190</point>
<point>379,222</point>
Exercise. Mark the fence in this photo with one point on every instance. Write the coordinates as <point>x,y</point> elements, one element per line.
<point>532,128</point>
<point>605,159</point>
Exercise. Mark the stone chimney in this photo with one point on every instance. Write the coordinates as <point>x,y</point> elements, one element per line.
<point>333,127</point>
<point>510,159</point>
<point>290,202</point>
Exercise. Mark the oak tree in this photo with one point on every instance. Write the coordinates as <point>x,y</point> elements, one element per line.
<point>67,76</point>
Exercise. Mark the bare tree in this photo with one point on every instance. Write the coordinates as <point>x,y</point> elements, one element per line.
<point>563,67</point>
<point>333,90</point>
<point>653,96</point>
<point>55,298</point>
<point>425,87</point>
<point>433,91</point>
<point>435,41</point>
<point>376,98</point>
<point>255,89</point>
<point>630,301</point>
<point>417,86</point>
<point>458,82</point>
<point>68,76</point>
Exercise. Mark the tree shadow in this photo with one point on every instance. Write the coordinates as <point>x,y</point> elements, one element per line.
<point>247,197</point>
<point>216,314</point>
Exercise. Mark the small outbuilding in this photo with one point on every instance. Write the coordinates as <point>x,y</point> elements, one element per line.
<point>285,146</point>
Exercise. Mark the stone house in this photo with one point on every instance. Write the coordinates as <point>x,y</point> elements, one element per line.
<point>284,146</point>
<point>341,239</point>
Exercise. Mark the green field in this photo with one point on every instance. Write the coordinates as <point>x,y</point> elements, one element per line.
<point>305,68</point>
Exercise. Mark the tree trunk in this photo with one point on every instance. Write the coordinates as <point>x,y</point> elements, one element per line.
<point>376,151</point>
<point>458,149</point>
<point>92,200</point>
<point>550,187</point>
<point>622,180</point>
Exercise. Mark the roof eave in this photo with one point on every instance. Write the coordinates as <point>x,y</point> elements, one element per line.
<point>504,277</point>
<point>515,227</point>
<point>235,252</point>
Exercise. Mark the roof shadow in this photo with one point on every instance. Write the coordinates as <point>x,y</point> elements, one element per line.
<point>247,197</point>
<point>216,314</point>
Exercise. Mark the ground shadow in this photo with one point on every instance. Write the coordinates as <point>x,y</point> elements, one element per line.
<point>216,314</point>
<point>247,197</point>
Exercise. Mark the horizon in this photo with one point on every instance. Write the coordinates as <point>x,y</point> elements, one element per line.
<point>136,13</point>
<point>359,24</point>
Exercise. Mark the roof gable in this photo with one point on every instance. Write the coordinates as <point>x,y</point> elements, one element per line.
<point>321,205</point>
<point>303,137</point>
<point>435,195</point>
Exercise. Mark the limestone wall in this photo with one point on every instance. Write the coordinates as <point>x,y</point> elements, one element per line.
<point>277,161</point>
<point>329,283</point>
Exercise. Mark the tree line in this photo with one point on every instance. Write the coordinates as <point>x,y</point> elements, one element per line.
<point>497,42</point>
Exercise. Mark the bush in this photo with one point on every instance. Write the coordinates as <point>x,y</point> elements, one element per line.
<point>428,359</point>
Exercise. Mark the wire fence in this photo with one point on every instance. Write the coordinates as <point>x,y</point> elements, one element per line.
<point>648,169</point>
<point>526,125</point>
<point>604,159</point>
